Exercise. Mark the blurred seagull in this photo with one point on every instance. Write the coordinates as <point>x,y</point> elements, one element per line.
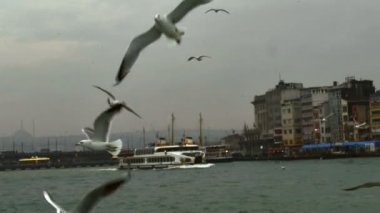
<point>115,101</point>
<point>98,138</point>
<point>91,198</point>
<point>217,10</point>
<point>365,185</point>
<point>199,58</point>
<point>163,25</point>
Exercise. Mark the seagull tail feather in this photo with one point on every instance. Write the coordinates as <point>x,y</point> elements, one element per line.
<point>114,147</point>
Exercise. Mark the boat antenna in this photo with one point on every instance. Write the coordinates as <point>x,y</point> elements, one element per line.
<point>144,137</point>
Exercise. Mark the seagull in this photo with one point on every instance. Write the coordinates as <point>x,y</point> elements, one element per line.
<point>217,10</point>
<point>163,25</point>
<point>98,138</point>
<point>199,58</point>
<point>115,101</point>
<point>365,185</point>
<point>91,198</point>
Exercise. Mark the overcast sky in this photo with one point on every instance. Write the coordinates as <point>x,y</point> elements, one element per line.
<point>51,52</point>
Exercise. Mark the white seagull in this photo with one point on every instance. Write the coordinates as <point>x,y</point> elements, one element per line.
<point>115,101</point>
<point>163,25</point>
<point>91,198</point>
<point>98,138</point>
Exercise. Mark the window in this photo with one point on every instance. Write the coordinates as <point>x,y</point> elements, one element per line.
<point>344,109</point>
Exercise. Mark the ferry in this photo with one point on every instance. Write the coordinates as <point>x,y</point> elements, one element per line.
<point>218,154</point>
<point>162,155</point>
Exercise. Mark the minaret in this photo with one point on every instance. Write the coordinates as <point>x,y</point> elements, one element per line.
<point>172,139</point>
<point>200,130</point>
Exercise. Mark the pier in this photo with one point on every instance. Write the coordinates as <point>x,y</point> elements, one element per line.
<point>54,160</point>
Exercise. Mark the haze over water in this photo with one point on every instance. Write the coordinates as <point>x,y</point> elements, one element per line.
<point>304,186</point>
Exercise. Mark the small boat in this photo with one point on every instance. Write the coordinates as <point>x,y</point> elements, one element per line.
<point>34,160</point>
<point>218,154</point>
<point>162,155</point>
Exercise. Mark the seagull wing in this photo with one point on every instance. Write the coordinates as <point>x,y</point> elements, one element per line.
<point>204,56</point>
<point>108,93</point>
<point>88,132</point>
<point>102,123</point>
<point>183,8</point>
<point>191,58</point>
<point>209,10</point>
<point>365,185</point>
<point>224,11</point>
<point>131,110</point>
<point>52,202</point>
<point>94,196</point>
<point>134,49</point>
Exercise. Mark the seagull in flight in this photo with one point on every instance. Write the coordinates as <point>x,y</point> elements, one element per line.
<point>163,25</point>
<point>199,58</point>
<point>365,185</point>
<point>91,198</point>
<point>217,10</point>
<point>115,101</point>
<point>98,137</point>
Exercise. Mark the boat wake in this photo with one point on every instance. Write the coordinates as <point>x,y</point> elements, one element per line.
<point>107,169</point>
<point>195,166</point>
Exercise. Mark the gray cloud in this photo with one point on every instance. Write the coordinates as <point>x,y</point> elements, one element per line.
<point>53,51</point>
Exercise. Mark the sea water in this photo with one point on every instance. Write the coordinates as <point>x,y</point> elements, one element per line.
<point>252,186</point>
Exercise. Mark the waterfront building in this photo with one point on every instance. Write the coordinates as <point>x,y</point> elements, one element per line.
<point>374,108</point>
<point>311,100</point>
<point>349,102</point>
<point>338,122</point>
<point>268,109</point>
<point>291,123</point>
<point>325,130</point>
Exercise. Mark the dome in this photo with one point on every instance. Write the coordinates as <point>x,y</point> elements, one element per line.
<point>22,135</point>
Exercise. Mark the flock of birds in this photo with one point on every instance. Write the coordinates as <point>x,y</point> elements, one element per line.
<point>97,137</point>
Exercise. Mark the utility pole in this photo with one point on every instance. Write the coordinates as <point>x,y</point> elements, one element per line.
<point>34,135</point>
<point>200,130</point>
<point>172,140</point>
<point>168,133</point>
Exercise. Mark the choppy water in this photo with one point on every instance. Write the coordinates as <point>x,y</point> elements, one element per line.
<point>304,186</point>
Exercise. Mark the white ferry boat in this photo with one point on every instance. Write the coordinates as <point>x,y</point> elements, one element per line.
<point>218,153</point>
<point>162,155</point>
